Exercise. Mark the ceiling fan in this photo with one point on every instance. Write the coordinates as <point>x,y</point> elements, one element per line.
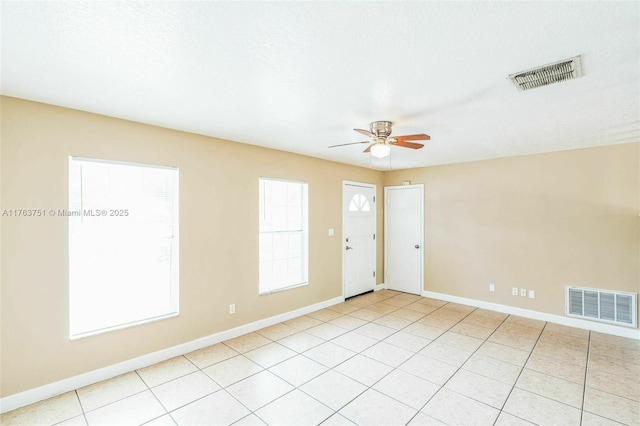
<point>381,141</point>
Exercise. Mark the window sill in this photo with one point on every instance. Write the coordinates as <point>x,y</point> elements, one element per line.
<point>278,290</point>
<point>120,327</point>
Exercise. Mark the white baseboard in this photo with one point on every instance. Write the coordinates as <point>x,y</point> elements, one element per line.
<point>632,333</point>
<point>380,286</point>
<point>30,396</point>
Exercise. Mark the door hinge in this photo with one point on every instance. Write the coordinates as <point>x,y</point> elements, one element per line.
<point>374,236</point>
<point>374,198</point>
<point>374,274</point>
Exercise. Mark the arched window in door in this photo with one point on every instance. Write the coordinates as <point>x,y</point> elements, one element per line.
<point>359,203</point>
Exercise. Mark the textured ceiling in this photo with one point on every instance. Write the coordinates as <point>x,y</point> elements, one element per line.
<point>298,76</point>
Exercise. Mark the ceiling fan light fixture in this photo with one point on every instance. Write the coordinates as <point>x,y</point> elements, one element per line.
<point>381,141</point>
<point>380,150</point>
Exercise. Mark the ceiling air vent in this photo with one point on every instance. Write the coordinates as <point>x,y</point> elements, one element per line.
<point>567,69</point>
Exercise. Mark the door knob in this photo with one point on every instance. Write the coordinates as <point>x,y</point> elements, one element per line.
<point>349,248</point>
<point>417,246</point>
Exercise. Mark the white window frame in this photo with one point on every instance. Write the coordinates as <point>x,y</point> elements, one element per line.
<point>304,234</point>
<point>173,309</point>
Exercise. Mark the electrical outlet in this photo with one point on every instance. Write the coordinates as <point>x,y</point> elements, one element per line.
<point>232,308</point>
<point>532,294</point>
<point>523,292</point>
<point>514,291</point>
<point>492,287</point>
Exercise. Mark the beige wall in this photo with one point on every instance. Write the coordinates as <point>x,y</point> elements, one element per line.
<point>538,222</point>
<point>218,236</point>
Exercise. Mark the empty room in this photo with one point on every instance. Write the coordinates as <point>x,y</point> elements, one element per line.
<point>320,212</point>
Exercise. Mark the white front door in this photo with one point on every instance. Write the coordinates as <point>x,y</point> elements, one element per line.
<point>358,238</point>
<point>404,238</point>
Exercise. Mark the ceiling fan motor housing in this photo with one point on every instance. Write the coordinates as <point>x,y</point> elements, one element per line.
<point>379,139</point>
<point>381,129</point>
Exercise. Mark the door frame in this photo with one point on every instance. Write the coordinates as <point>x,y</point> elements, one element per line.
<point>375,227</point>
<point>386,257</point>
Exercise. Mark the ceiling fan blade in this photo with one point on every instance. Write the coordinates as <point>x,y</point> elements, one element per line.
<point>405,144</point>
<point>365,132</point>
<point>418,137</point>
<point>352,143</point>
<point>369,148</point>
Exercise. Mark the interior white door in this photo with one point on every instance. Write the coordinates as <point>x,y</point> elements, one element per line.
<point>358,238</point>
<point>404,238</point>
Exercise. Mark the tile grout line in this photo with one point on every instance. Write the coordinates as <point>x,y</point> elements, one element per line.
<point>520,374</point>
<point>381,340</point>
<point>292,390</point>
<point>84,414</point>
<point>156,398</point>
<point>610,357</point>
<point>543,396</point>
<point>117,400</point>
<point>361,352</point>
<point>460,368</point>
<point>198,369</point>
<point>586,373</point>
<point>355,354</point>
<point>213,380</point>
<point>265,369</point>
<point>334,412</point>
<point>253,412</point>
<point>584,385</point>
<point>431,341</point>
<point>245,406</point>
<point>428,344</point>
<point>599,390</point>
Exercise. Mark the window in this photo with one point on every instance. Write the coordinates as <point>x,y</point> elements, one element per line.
<point>283,235</point>
<point>359,203</point>
<point>123,245</point>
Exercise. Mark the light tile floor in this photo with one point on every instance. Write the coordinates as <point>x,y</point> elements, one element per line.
<point>384,358</point>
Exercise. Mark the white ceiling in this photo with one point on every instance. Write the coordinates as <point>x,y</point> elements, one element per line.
<point>298,76</point>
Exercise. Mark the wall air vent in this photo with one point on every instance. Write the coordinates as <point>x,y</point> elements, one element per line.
<point>567,69</point>
<point>614,307</point>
